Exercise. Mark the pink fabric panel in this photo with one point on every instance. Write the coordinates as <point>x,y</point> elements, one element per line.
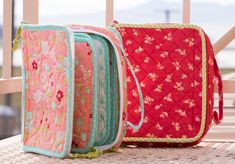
<point>45,55</point>
<point>83,103</point>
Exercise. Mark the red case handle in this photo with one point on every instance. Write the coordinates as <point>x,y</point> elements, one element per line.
<point>218,116</point>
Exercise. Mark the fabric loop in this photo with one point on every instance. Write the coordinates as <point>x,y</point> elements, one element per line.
<point>218,116</point>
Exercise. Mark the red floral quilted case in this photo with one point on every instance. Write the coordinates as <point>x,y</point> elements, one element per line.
<point>176,68</point>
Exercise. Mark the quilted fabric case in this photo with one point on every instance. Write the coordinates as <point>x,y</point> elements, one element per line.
<point>67,86</point>
<point>176,68</point>
<point>118,100</point>
<point>48,87</point>
<point>86,94</point>
<point>101,127</point>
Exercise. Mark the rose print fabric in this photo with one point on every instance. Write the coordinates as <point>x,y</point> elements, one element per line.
<point>168,64</point>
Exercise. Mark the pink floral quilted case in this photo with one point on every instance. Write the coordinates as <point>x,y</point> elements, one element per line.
<point>48,89</point>
<point>74,90</point>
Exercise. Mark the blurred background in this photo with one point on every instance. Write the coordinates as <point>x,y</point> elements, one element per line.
<point>214,16</point>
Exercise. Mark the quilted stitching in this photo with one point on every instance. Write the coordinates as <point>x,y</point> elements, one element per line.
<point>104,90</point>
<point>46,89</point>
<point>110,35</point>
<point>167,63</point>
<point>83,95</point>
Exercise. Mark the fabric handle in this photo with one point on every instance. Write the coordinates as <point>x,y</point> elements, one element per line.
<point>218,116</point>
<point>136,127</point>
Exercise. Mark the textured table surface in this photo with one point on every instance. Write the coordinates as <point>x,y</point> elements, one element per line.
<point>205,152</point>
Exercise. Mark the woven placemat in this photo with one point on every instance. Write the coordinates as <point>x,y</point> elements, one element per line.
<point>205,152</point>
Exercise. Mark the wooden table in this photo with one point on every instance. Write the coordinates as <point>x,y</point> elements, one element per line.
<point>205,152</point>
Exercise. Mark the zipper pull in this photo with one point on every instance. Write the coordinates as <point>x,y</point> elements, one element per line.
<point>114,23</point>
<point>16,41</point>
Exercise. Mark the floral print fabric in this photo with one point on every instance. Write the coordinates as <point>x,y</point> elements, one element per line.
<point>83,100</point>
<point>45,62</point>
<point>168,64</point>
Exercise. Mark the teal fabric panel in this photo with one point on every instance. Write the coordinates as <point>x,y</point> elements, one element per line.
<point>104,97</point>
<point>115,97</point>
